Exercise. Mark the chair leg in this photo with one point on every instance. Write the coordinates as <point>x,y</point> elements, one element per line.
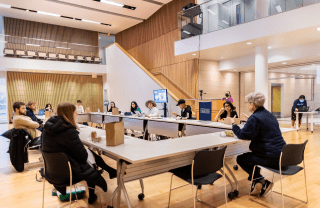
<point>170,190</point>
<point>225,187</point>
<point>44,184</point>
<point>254,168</point>
<point>305,181</point>
<point>142,186</point>
<point>281,189</point>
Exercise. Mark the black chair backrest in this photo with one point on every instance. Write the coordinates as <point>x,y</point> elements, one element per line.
<point>56,166</point>
<point>293,154</point>
<point>206,162</point>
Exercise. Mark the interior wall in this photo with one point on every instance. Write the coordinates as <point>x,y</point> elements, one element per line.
<point>292,89</point>
<point>36,30</point>
<point>151,43</point>
<point>216,83</point>
<point>54,89</point>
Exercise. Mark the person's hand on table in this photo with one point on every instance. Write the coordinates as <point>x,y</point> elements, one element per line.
<point>243,117</point>
<point>173,113</point>
<point>147,115</point>
<point>296,109</point>
<point>135,115</point>
<point>184,118</point>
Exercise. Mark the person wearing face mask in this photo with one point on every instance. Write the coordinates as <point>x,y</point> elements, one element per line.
<point>228,97</point>
<point>296,104</point>
<point>262,128</point>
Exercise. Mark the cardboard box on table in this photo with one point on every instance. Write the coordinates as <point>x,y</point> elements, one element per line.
<point>115,111</point>
<point>114,133</point>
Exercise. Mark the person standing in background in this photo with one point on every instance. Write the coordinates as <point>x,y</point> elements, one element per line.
<point>296,104</point>
<point>79,109</point>
<point>228,97</point>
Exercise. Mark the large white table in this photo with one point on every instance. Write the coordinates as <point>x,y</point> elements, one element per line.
<point>307,113</point>
<point>141,158</point>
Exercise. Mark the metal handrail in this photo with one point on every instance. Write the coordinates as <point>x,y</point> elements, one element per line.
<point>173,83</point>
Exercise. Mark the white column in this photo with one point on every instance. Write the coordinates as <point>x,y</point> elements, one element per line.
<point>262,9</point>
<point>261,72</point>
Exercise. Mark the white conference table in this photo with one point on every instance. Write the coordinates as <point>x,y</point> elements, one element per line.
<point>141,158</point>
<point>307,120</point>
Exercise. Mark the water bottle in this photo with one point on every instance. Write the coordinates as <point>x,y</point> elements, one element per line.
<point>98,110</point>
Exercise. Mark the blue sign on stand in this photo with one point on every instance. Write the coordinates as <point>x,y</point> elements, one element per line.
<point>205,111</point>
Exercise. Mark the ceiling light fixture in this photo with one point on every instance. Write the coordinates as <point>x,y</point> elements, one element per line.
<point>318,28</point>
<point>63,48</point>
<point>222,57</point>
<point>83,20</point>
<point>32,45</point>
<point>112,3</point>
<point>194,54</point>
<point>249,43</point>
<point>50,14</point>
<point>5,6</point>
<point>269,47</point>
<point>284,62</point>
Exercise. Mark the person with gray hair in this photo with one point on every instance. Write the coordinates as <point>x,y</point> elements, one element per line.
<point>262,128</point>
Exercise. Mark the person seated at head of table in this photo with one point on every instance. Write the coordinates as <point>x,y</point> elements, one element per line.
<point>134,108</point>
<point>21,121</point>
<point>262,128</point>
<point>301,101</point>
<point>48,107</point>
<point>152,110</point>
<point>112,106</point>
<point>61,134</point>
<point>228,111</point>
<point>31,108</point>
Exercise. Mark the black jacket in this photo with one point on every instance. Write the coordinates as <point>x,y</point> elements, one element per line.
<point>60,136</point>
<point>232,115</point>
<point>262,128</point>
<point>30,113</point>
<point>184,112</point>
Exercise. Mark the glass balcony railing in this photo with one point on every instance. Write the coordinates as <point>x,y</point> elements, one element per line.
<point>23,47</point>
<point>216,15</point>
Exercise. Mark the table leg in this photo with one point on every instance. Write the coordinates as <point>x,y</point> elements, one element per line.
<point>233,176</point>
<point>307,120</point>
<point>297,121</point>
<point>311,122</point>
<point>123,167</point>
<point>119,181</point>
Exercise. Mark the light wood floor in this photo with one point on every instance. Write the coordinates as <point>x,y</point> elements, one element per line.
<point>19,190</point>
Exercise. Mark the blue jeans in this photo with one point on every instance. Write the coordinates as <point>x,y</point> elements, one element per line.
<point>248,160</point>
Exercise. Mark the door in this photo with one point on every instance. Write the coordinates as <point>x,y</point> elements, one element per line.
<point>276,101</point>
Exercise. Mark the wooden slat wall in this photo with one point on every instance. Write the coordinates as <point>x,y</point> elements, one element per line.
<point>30,29</point>
<point>54,89</point>
<point>160,23</point>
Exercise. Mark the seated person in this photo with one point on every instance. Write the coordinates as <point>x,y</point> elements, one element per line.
<point>262,128</point>
<point>152,110</point>
<point>79,107</point>
<point>112,105</point>
<point>134,107</point>
<point>31,107</point>
<point>61,134</point>
<point>301,101</point>
<point>228,111</point>
<point>48,107</point>
<point>186,112</point>
<point>21,121</point>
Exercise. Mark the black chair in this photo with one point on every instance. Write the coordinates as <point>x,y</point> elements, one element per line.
<point>291,156</point>
<point>203,171</point>
<point>58,172</point>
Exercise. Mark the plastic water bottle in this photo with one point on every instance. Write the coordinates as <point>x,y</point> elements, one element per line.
<point>98,110</point>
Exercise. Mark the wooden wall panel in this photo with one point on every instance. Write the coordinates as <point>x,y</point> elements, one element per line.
<point>54,89</point>
<point>34,30</point>
<point>160,23</point>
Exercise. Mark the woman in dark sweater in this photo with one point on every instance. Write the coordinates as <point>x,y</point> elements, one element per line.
<point>262,128</point>
<point>112,105</point>
<point>227,111</point>
<point>61,135</point>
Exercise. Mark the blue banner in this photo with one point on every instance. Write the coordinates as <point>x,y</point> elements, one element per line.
<point>238,14</point>
<point>205,111</point>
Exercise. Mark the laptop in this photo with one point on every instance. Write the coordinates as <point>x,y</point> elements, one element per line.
<point>41,112</point>
<point>303,109</point>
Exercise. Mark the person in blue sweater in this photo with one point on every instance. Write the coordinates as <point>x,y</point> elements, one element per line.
<point>31,107</point>
<point>262,128</point>
<point>296,104</point>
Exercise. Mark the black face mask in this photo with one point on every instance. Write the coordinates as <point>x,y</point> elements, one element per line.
<point>227,94</point>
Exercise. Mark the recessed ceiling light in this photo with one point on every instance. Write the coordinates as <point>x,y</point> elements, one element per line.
<point>5,6</point>
<point>222,57</point>
<point>112,3</point>
<point>284,62</point>
<point>269,47</point>
<point>194,54</point>
<point>63,48</point>
<point>50,14</point>
<point>90,21</point>
<point>249,43</point>
<point>318,28</point>
<point>32,45</point>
